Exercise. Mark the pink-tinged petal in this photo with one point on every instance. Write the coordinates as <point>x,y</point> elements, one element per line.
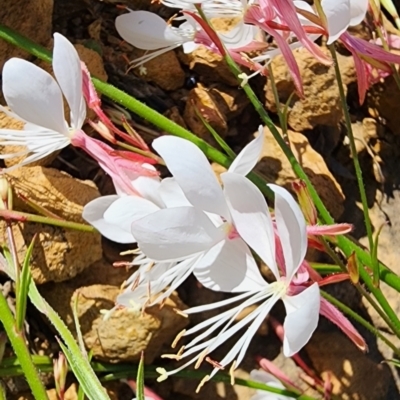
<point>269,366</point>
<point>193,173</point>
<point>239,36</point>
<point>251,217</point>
<point>229,267</point>
<point>334,315</point>
<point>337,13</point>
<point>358,10</point>
<point>330,230</point>
<point>146,30</point>
<point>127,209</point>
<point>67,69</point>
<point>302,314</point>
<point>174,233</point>
<point>291,227</point>
<point>248,157</point>
<point>33,95</point>
<point>93,213</point>
<point>172,194</point>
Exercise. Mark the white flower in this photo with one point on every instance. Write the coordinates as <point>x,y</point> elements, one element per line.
<point>253,222</point>
<point>270,380</point>
<point>37,99</point>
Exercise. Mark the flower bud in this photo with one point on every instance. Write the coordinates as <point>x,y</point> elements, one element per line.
<point>305,202</point>
<point>4,193</point>
<point>352,267</point>
<point>60,374</point>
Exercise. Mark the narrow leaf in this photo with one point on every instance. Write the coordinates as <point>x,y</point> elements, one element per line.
<point>140,380</point>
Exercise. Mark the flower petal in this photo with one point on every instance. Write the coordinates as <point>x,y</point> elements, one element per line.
<point>93,213</point>
<point>229,267</point>
<point>292,229</point>
<point>358,10</point>
<point>193,173</point>
<point>337,13</point>
<point>301,319</point>
<point>171,194</point>
<point>239,36</point>
<point>146,30</point>
<point>128,209</point>
<point>175,233</point>
<point>248,157</point>
<point>251,217</point>
<point>68,71</point>
<point>33,95</point>
<point>268,379</point>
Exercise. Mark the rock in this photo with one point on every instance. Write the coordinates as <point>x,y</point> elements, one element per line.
<point>334,356</point>
<point>124,334</point>
<point>275,167</point>
<point>59,254</point>
<point>30,18</point>
<point>209,66</point>
<point>230,101</point>
<point>163,70</point>
<point>321,102</point>
<point>54,190</point>
<point>382,101</point>
<point>201,100</point>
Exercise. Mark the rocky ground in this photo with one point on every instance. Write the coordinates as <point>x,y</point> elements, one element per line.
<point>174,85</point>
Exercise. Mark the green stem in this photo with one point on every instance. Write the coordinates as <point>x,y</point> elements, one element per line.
<point>345,243</point>
<point>354,154</point>
<point>17,341</point>
<point>362,321</point>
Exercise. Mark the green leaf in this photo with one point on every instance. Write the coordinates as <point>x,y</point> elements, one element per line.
<point>140,380</point>
<point>23,287</point>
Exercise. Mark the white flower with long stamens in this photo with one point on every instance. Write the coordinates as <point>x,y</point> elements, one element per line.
<point>253,222</point>
<point>149,31</point>
<point>37,99</point>
<point>204,232</point>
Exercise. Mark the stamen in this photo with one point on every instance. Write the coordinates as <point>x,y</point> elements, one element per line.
<point>163,374</point>
<point>176,357</point>
<point>129,252</point>
<point>178,338</point>
<point>181,313</point>
<point>232,372</point>
<point>201,358</point>
<point>202,383</point>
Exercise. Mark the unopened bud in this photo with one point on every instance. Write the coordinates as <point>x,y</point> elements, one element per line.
<point>60,374</point>
<point>305,202</point>
<point>5,193</point>
<point>103,130</point>
<point>352,268</point>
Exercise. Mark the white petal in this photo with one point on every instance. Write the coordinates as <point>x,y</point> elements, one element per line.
<point>93,213</point>
<point>148,188</point>
<point>301,319</point>
<point>251,217</point>
<point>171,194</point>
<point>128,209</point>
<point>337,13</point>
<point>291,228</point>
<point>229,267</point>
<point>33,95</point>
<point>191,169</point>
<point>239,36</point>
<point>358,10</point>
<point>67,69</point>
<point>146,30</point>
<point>268,379</point>
<point>248,157</point>
<point>174,233</point>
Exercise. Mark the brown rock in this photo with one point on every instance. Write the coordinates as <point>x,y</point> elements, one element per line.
<point>31,18</point>
<point>164,70</point>
<point>124,334</point>
<point>230,101</point>
<point>53,190</point>
<point>276,168</point>
<point>59,254</point>
<point>321,102</point>
<point>334,355</point>
<point>209,65</point>
<point>382,101</point>
<point>201,100</point>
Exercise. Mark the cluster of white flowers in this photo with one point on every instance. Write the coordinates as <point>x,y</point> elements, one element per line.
<point>185,224</point>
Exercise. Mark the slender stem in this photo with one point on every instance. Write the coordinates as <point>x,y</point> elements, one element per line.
<point>362,321</point>
<point>17,341</point>
<point>354,154</point>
